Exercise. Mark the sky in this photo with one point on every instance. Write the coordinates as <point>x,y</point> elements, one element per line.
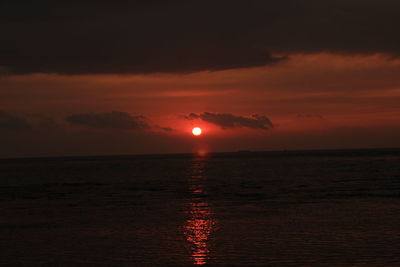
<point>134,77</point>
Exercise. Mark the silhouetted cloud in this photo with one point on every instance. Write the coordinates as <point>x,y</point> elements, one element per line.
<point>185,36</point>
<point>11,122</point>
<point>227,120</point>
<point>114,120</point>
<point>167,129</point>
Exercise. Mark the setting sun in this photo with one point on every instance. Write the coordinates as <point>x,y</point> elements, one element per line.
<point>196,131</point>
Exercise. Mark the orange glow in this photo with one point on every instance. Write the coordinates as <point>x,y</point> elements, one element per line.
<point>196,131</point>
<point>202,152</point>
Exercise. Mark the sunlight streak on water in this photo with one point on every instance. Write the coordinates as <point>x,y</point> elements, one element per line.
<point>200,223</point>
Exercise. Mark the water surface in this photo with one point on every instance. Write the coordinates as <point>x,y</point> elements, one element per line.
<point>267,209</point>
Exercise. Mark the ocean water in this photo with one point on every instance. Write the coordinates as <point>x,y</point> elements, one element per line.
<point>318,208</point>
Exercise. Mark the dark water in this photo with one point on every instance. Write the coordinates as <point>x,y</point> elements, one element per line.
<point>267,209</point>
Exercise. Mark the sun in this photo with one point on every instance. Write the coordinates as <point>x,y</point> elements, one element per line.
<point>196,131</point>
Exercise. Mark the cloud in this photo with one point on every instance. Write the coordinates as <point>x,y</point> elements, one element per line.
<point>166,129</point>
<point>187,36</point>
<point>12,122</point>
<point>227,120</point>
<point>114,120</point>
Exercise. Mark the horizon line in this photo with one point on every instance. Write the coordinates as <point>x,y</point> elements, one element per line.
<point>215,153</point>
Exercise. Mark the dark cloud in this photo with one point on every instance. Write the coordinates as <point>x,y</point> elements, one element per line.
<point>184,36</point>
<point>167,129</point>
<point>227,120</point>
<point>114,120</point>
<point>11,122</point>
<point>48,123</point>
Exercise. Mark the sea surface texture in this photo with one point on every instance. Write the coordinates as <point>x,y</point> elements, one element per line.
<point>320,208</point>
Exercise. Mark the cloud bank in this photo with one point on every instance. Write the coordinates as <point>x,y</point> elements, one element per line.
<point>229,121</point>
<point>187,36</point>
<point>115,120</point>
<point>12,122</point>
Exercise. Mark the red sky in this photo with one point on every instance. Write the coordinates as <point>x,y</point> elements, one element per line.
<point>314,101</point>
<point>128,77</point>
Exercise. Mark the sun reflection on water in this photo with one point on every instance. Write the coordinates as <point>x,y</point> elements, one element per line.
<point>200,223</point>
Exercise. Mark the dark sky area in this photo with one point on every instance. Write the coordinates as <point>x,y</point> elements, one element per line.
<point>126,77</point>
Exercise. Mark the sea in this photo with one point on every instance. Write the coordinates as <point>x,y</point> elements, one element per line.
<point>278,208</point>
